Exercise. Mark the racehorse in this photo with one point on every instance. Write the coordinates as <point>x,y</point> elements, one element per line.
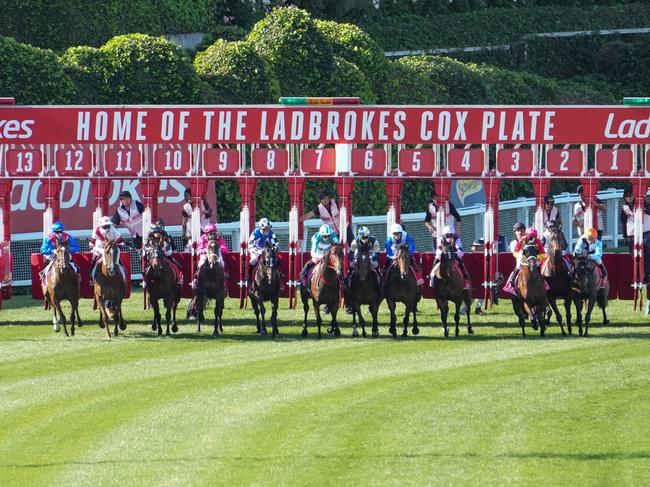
<point>161,284</point>
<point>587,287</point>
<point>211,285</point>
<point>531,295</point>
<point>401,286</point>
<point>62,284</point>
<point>449,286</point>
<point>365,288</point>
<point>557,277</point>
<point>324,286</point>
<point>109,288</point>
<point>266,287</point>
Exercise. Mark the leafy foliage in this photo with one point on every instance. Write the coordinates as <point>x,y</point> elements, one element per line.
<point>235,73</point>
<point>32,75</point>
<point>87,67</point>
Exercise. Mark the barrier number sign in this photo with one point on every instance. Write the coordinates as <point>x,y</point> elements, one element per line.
<point>270,161</point>
<point>220,162</point>
<point>566,162</point>
<point>122,162</point>
<point>614,162</point>
<point>24,162</point>
<point>73,162</point>
<point>318,161</point>
<point>466,162</point>
<point>515,162</point>
<point>172,162</point>
<point>370,162</point>
<point>417,162</point>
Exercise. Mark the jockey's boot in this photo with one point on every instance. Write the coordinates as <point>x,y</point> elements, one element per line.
<point>466,284</point>
<point>249,280</point>
<point>191,309</point>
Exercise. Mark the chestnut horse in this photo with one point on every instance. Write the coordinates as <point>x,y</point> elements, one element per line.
<point>110,288</point>
<point>449,286</point>
<point>531,294</point>
<point>211,285</point>
<point>62,284</point>
<point>161,284</point>
<point>324,289</point>
<point>401,286</point>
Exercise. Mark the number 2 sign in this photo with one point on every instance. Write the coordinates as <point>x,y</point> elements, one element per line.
<point>567,162</point>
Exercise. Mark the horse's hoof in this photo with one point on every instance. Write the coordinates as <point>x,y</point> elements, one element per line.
<point>215,334</point>
<point>375,333</point>
<point>153,326</point>
<point>470,330</point>
<point>304,332</point>
<point>337,332</point>
<point>67,334</point>
<point>586,334</point>
<point>122,326</point>
<point>101,324</point>
<point>330,330</point>
<point>175,328</point>
<point>535,326</point>
<point>405,333</point>
<point>446,332</point>
<point>221,328</point>
<point>563,333</point>
<point>456,332</point>
<point>392,331</point>
<point>355,333</point>
<point>319,336</point>
<point>606,322</point>
<point>57,327</point>
<point>263,331</point>
<point>259,328</point>
<point>363,333</point>
<point>416,330</point>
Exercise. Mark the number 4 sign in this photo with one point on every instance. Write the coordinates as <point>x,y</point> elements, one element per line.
<point>466,162</point>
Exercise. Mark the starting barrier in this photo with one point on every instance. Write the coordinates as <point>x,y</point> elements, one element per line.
<point>343,143</point>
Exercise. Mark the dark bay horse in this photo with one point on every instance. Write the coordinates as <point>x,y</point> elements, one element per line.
<point>161,284</point>
<point>109,288</point>
<point>324,289</point>
<point>401,286</point>
<point>586,288</point>
<point>211,285</point>
<point>62,284</point>
<point>449,286</point>
<point>531,294</point>
<point>365,289</point>
<point>557,277</point>
<point>266,287</point>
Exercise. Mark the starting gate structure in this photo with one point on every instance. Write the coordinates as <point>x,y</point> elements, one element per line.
<point>333,139</point>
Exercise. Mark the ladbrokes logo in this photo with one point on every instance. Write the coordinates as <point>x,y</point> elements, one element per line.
<point>16,129</point>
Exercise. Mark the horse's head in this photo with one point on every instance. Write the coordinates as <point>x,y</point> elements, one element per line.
<point>363,261</point>
<point>448,252</point>
<point>155,257</point>
<point>62,256</point>
<point>212,253</point>
<point>530,254</point>
<point>111,257</point>
<point>334,259</point>
<point>403,259</point>
<point>584,268</point>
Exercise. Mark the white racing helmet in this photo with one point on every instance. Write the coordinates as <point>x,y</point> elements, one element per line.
<point>105,225</point>
<point>324,230</point>
<point>448,230</point>
<point>264,224</point>
<point>396,228</point>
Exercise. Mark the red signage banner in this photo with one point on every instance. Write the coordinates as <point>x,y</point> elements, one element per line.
<point>273,124</point>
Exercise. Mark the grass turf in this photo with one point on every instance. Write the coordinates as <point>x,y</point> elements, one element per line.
<point>490,409</point>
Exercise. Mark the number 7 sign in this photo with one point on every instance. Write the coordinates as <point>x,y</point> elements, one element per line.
<point>318,160</point>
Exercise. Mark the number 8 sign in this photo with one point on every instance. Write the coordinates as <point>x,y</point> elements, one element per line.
<point>270,161</point>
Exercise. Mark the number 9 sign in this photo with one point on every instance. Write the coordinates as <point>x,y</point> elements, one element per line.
<point>369,162</point>
<point>220,162</point>
<point>416,162</point>
<point>270,161</point>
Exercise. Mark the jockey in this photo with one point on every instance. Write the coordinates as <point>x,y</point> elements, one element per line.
<point>105,232</point>
<point>364,238</point>
<point>320,243</point>
<point>589,243</point>
<point>48,247</point>
<point>210,233</point>
<point>450,239</point>
<point>519,229</point>
<point>257,242</point>
<point>158,234</point>
<point>398,236</point>
<point>529,238</point>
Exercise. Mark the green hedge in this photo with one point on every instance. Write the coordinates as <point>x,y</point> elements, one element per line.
<point>235,73</point>
<point>497,25</point>
<point>32,75</point>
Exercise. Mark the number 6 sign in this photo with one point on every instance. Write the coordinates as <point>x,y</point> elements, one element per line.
<point>270,161</point>
<point>369,162</point>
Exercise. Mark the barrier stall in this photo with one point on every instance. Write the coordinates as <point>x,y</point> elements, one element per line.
<point>343,143</point>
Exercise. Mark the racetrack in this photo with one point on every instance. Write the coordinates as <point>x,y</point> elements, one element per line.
<point>490,409</point>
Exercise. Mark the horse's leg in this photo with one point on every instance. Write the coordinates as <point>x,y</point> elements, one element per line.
<point>319,320</point>
<point>274,315</point>
<point>468,303</point>
<point>256,310</point>
<point>578,303</point>
<point>168,314</point>
<point>444,310</point>
<point>374,309</point>
<point>362,321</point>
<point>568,300</point>
<point>517,306</point>
<point>199,308</point>
<point>415,329</point>
<point>263,313</point>
<point>103,316</point>
<point>552,301</point>
<point>602,303</point>
<point>393,318</point>
<point>157,318</point>
<point>407,315</point>
<point>590,308</point>
<point>57,307</point>
<point>305,307</point>
<point>457,316</point>
<point>215,324</point>
<point>335,325</point>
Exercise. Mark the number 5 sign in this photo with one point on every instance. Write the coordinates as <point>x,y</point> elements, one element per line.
<point>270,161</point>
<point>417,162</point>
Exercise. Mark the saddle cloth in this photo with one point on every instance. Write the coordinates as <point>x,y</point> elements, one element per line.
<point>178,272</point>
